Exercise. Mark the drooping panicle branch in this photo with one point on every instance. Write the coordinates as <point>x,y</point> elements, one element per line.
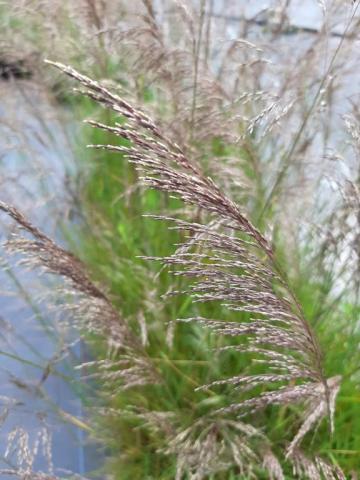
<point>234,264</point>
<point>91,310</point>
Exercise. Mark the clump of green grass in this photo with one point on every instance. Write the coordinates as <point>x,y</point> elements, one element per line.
<point>242,366</point>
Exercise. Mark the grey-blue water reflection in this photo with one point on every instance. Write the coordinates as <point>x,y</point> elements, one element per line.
<point>35,161</point>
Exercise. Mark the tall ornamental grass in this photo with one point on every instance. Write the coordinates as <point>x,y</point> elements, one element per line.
<point>218,299</point>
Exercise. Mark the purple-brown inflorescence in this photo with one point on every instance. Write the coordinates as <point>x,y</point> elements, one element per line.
<point>91,310</point>
<point>234,265</point>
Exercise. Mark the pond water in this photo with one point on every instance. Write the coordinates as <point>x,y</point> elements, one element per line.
<point>300,13</point>
<point>35,161</point>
